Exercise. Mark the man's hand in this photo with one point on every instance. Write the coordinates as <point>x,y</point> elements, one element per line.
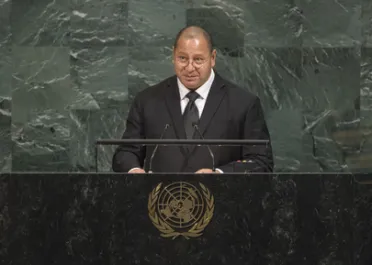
<point>137,171</point>
<point>206,171</point>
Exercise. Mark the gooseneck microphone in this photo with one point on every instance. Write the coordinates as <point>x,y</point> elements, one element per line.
<point>156,147</point>
<point>209,149</point>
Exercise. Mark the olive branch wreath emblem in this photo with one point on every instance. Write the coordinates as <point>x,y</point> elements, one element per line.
<point>168,231</point>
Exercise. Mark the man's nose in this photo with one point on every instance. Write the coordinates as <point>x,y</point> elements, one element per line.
<point>190,66</point>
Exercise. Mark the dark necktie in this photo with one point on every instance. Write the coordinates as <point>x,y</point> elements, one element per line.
<point>191,114</point>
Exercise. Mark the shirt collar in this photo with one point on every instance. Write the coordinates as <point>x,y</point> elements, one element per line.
<point>202,90</point>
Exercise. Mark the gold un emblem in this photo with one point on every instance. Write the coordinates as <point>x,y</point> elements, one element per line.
<point>180,209</point>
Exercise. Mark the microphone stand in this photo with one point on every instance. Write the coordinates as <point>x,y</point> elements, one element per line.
<point>156,148</point>
<point>209,149</point>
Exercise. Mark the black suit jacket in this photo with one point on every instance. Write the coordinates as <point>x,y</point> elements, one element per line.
<point>229,113</point>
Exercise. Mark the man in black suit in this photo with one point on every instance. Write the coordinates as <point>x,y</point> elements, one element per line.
<point>196,95</point>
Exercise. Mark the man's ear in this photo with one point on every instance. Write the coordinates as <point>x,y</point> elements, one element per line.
<point>173,50</point>
<point>214,53</point>
<point>173,54</point>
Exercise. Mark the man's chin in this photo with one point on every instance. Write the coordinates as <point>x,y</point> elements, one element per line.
<point>191,84</point>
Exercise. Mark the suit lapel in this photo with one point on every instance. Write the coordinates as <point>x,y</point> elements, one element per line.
<point>214,99</point>
<point>173,102</point>
<point>212,103</point>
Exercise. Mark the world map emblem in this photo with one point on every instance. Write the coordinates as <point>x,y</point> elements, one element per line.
<point>180,209</point>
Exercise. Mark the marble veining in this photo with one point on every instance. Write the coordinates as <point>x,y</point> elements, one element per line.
<point>70,69</point>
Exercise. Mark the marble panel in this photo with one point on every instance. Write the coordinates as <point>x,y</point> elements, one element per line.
<point>330,23</point>
<point>41,94</point>
<point>99,23</point>
<point>40,23</point>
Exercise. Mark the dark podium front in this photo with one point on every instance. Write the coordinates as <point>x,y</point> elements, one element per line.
<point>185,219</point>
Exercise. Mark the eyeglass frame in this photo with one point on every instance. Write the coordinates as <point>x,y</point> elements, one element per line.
<point>186,63</point>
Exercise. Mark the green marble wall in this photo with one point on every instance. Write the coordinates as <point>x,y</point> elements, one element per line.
<point>69,70</point>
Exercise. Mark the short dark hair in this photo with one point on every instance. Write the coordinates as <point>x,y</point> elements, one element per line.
<point>191,35</point>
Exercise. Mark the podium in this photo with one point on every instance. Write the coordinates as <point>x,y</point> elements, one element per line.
<point>152,146</point>
<point>104,218</point>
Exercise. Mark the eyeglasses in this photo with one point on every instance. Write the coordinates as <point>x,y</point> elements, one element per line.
<point>197,63</point>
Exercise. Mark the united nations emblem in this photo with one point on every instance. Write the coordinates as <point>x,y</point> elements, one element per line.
<point>180,209</point>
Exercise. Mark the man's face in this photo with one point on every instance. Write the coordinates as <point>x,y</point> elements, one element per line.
<point>193,61</point>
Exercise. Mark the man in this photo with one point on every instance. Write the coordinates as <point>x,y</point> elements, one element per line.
<point>196,95</point>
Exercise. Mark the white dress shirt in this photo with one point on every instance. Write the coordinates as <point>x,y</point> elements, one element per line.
<point>203,91</point>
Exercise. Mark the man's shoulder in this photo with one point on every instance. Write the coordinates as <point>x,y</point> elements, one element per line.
<point>155,90</point>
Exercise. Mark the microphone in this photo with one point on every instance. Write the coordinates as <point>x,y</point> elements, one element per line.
<point>156,147</point>
<point>209,149</point>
